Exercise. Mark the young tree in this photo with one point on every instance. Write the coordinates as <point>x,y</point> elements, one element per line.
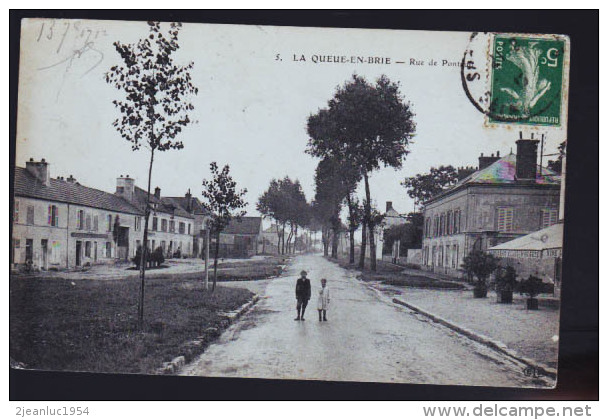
<point>423,187</point>
<point>367,125</point>
<point>223,201</point>
<point>155,105</point>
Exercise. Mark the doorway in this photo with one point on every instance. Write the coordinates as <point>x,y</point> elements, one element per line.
<point>78,252</point>
<point>29,251</point>
<point>44,243</point>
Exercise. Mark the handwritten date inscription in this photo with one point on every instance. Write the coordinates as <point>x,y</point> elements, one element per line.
<point>70,41</point>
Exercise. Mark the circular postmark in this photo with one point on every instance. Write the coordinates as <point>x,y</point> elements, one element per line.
<point>514,78</point>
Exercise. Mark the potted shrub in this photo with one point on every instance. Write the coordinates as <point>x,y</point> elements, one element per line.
<point>506,280</point>
<point>481,265</point>
<point>531,287</point>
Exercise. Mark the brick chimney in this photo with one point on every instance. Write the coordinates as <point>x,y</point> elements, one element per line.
<point>157,192</point>
<point>389,205</point>
<point>188,201</point>
<point>485,161</point>
<point>526,159</point>
<point>40,170</point>
<point>125,187</point>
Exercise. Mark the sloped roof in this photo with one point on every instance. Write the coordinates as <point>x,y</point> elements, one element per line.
<point>27,185</point>
<point>548,238</point>
<point>244,226</point>
<point>163,204</point>
<point>502,172</point>
<point>195,204</point>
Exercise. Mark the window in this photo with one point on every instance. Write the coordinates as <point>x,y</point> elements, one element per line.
<point>188,228</point>
<point>16,216</point>
<point>456,221</point>
<point>80,219</point>
<point>17,243</point>
<point>163,225</point>
<point>441,225</point>
<point>436,226</point>
<point>505,219</point>
<point>155,223</point>
<point>548,218</point>
<point>87,249</point>
<point>449,223</point>
<point>109,225</point>
<point>163,244</point>
<point>95,223</point>
<point>171,225</point>
<point>109,248</point>
<point>53,216</point>
<point>182,227</point>
<point>88,221</point>
<point>153,245</point>
<point>137,223</point>
<point>30,215</point>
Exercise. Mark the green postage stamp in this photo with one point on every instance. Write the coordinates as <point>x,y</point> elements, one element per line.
<point>526,80</point>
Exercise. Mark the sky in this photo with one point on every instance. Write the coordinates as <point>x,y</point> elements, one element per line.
<point>257,87</point>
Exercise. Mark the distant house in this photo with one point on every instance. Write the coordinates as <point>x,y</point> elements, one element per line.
<point>194,207</point>
<point>242,238</point>
<point>508,197</point>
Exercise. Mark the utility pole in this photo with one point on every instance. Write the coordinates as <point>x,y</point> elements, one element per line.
<point>542,145</point>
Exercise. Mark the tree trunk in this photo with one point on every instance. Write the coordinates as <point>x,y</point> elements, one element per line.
<point>278,237</point>
<point>289,238</point>
<point>144,253</point>
<point>351,211</point>
<point>325,240</point>
<point>217,252</point>
<point>368,205</point>
<point>363,245</point>
<point>334,243</point>
<point>283,240</point>
<point>351,258</point>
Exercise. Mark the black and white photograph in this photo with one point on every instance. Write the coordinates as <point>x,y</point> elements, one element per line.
<point>289,203</point>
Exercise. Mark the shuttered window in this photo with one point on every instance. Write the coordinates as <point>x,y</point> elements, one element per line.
<point>548,218</point>
<point>16,217</point>
<point>505,219</point>
<point>53,216</point>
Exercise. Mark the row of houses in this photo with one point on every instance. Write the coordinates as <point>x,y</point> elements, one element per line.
<point>57,222</point>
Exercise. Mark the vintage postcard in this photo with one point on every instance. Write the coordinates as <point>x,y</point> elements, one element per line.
<point>289,202</point>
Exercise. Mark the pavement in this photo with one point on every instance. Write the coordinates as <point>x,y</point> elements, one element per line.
<point>531,334</point>
<point>367,339</point>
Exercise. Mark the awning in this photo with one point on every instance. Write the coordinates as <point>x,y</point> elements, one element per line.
<point>545,243</point>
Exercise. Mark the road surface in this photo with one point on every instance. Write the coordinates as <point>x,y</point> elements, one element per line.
<point>366,339</point>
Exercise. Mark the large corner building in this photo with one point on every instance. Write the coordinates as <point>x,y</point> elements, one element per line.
<point>506,198</point>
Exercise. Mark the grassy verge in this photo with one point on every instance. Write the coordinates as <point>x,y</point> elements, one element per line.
<point>91,325</point>
<point>393,275</point>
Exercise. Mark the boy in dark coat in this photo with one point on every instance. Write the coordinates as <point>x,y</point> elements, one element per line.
<point>302,295</point>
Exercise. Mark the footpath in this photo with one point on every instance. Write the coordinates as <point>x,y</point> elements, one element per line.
<point>529,335</point>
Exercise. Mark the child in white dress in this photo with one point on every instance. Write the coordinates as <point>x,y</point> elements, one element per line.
<point>323,302</point>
